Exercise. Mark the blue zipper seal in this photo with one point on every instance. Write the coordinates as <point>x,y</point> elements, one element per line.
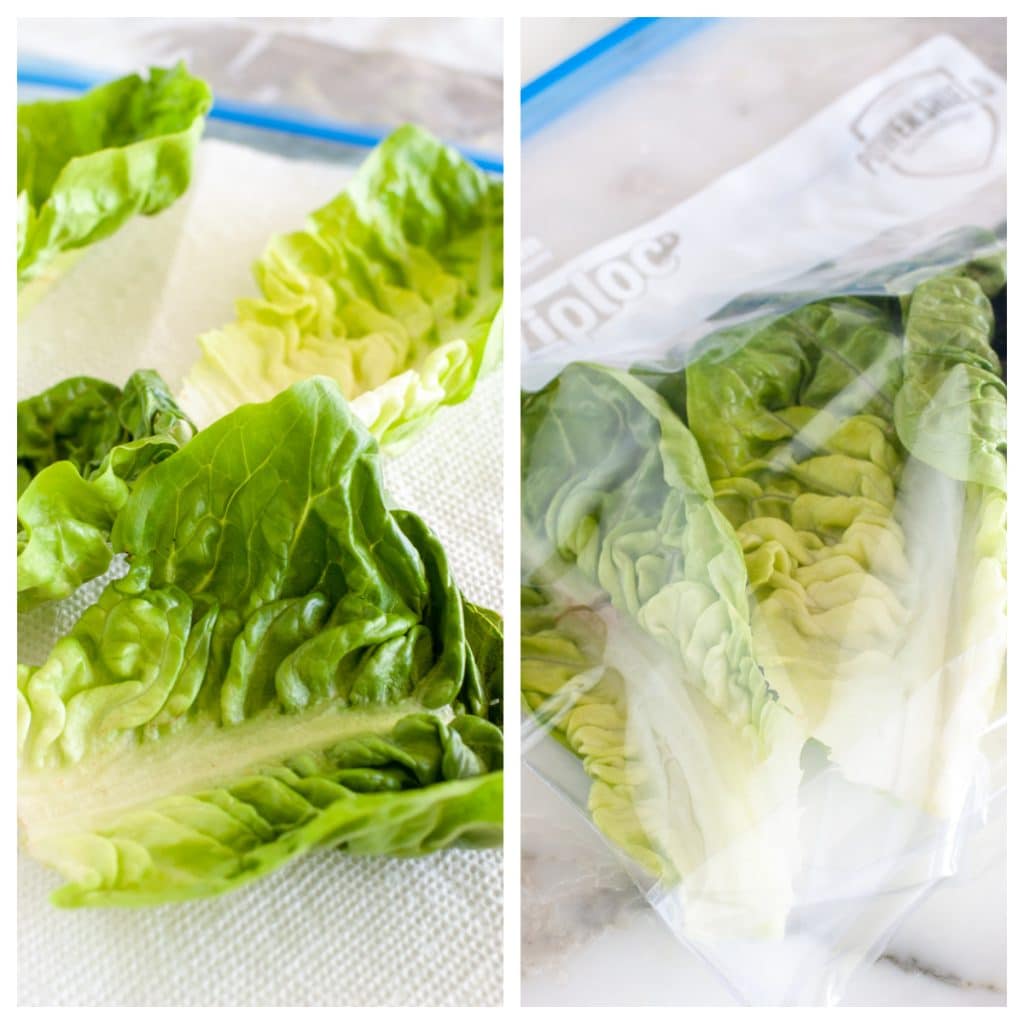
<point>598,65</point>
<point>248,114</point>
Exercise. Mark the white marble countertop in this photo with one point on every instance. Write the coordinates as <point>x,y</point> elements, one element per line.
<point>588,938</point>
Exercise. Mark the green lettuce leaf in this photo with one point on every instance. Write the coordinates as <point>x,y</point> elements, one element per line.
<point>837,439</point>
<point>85,166</point>
<point>951,414</point>
<point>74,420</point>
<point>951,408</point>
<point>287,664</point>
<point>795,427</point>
<point>81,446</point>
<point>637,647</point>
<point>393,290</point>
<point>583,703</point>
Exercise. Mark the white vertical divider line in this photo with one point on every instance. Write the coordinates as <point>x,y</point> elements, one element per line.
<point>513,192</point>
<point>1014,771</point>
<point>8,598</point>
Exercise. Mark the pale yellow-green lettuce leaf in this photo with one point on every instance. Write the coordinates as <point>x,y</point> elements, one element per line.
<point>393,290</point>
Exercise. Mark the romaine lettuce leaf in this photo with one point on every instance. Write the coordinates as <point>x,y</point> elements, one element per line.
<point>951,408</point>
<point>287,663</point>
<point>87,165</point>
<point>951,414</point>
<point>393,290</point>
<point>75,420</point>
<point>81,445</point>
<point>838,439</point>
<point>795,427</point>
<point>637,647</point>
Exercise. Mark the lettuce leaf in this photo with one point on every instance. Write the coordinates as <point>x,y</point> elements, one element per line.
<point>81,446</point>
<point>85,166</point>
<point>838,440</point>
<point>288,663</point>
<point>795,427</point>
<point>951,408</point>
<point>637,647</point>
<point>393,290</point>
<point>951,414</point>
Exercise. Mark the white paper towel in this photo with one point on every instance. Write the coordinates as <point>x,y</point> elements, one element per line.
<point>164,280</point>
<point>328,929</point>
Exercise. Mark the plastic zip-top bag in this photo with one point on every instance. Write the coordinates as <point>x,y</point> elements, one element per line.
<point>764,503</point>
<point>332,84</point>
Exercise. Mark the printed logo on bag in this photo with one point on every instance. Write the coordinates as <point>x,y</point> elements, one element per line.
<point>928,125</point>
<point>534,255</point>
<point>584,299</point>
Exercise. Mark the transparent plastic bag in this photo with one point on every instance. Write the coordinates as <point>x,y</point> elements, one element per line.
<point>319,88</point>
<point>764,527</point>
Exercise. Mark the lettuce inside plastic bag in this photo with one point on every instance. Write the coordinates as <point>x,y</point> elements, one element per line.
<point>853,450</point>
<point>694,761</point>
<point>838,438</point>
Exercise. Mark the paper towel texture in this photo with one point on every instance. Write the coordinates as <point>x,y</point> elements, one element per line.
<point>326,930</point>
<point>164,280</point>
